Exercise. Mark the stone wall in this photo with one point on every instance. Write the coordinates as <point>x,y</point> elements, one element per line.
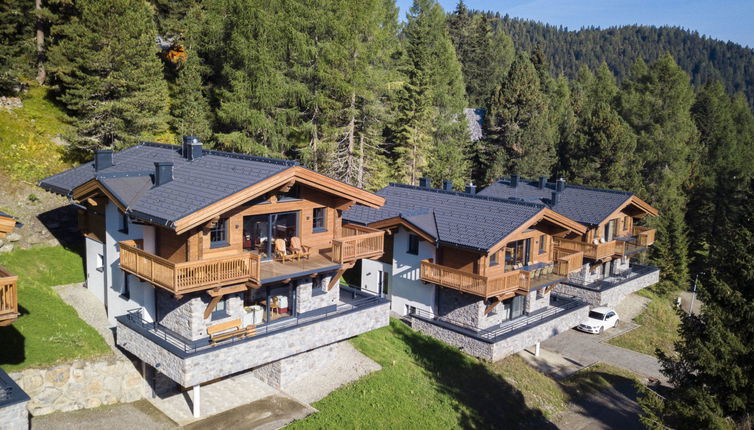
<point>222,361</point>
<point>310,297</point>
<point>610,296</point>
<point>186,316</point>
<point>14,417</point>
<point>516,342</point>
<point>463,308</point>
<point>81,385</point>
<point>537,300</point>
<point>284,373</point>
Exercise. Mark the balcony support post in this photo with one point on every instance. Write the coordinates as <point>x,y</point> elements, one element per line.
<point>536,350</point>
<point>197,400</point>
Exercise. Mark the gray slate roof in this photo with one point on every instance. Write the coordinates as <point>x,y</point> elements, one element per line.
<point>475,120</point>
<point>459,219</point>
<point>582,204</point>
<point>195,185</point>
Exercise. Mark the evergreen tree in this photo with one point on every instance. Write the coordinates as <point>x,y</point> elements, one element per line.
<point>16,43</point>
<point>520,137</point>
<point>656,102</point>
<point>431,135</point>
<point>109,75</point>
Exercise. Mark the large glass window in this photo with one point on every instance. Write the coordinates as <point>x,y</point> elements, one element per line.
<point>319,221</point>
<point>542,244</point>
<point>261,231</point>
<point>610,229</point>
<point>274,302</point>
<point>513,307</point>
<point>517,254</point>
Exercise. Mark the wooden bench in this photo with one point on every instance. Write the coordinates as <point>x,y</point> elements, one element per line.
<point>229,330</point>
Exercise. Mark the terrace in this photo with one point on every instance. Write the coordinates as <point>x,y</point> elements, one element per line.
<point>640,239</point>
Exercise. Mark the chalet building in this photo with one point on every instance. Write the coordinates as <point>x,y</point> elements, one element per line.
<point>212,263</point>
<point>611,243</point>
<point>477,272</point>
<point>13,400</point>
<point>8,287</point>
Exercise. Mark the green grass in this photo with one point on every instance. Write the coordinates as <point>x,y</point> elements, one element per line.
<point>48,330</point>
<point>26,148</point>
<point>427,384</point>
<point>597,378</point>
<point>659,326</point>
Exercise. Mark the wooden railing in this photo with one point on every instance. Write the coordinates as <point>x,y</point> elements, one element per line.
<point>644,236</point>
<point>567,261</point>
<point>472,283</point>
<point>180,278</point>
<point>357,242</point>
<point>8,297</point>
<point>590,250</point>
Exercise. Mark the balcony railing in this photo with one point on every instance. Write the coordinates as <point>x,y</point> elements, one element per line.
<point>357,242</point>
<point>644,236</point>
<point>567,261</point>
<point>181,278</point>
<point>590,250</point>
<point>8,297</point>
<point>472,283</point>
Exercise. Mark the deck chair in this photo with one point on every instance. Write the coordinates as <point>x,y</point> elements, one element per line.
<point>281,252</point>
<point>299,249</point>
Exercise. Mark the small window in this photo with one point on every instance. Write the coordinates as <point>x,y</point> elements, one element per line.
<point>493,260</point>
<point>413,244</point>
<point>123,223</point>
<point>220,311</point>
<point>541,293</point>
<point>319,220</point>
<point>100,263</point>
<point>126,292</point>
<point>542,243</point>
<point>218,235</point>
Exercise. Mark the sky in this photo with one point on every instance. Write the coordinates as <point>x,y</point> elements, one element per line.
<point>722,19</point>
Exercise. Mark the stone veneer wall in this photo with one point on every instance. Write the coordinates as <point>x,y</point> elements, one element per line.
<point>309,298</point>
<point>463,308</point>
<point>81,385</point>
<point>186,316</point>
<point>222,361</point>
<point>14,417</point>
<point>284,373</point>
<point>507,346</point>
<point>535,303</point>
<point>611,296</point>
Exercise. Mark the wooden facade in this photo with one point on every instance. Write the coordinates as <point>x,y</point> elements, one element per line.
<point>7,225</point>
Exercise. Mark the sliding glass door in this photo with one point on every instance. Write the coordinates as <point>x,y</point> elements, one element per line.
<point>261,231</point>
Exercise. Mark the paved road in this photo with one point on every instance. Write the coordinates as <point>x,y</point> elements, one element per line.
<point>588,349</point>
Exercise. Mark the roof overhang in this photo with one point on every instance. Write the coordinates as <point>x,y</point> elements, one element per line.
<point>546,214</point>
<point>402,222</point>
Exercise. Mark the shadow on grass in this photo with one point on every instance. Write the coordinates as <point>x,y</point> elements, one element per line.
<point>62,223</point>
<point>489,400</point>
<point>605,397</point>
<point>13,343</point>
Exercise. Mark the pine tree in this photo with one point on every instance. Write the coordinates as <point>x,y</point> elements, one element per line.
<point>16,43</point>
<point>517,126</point>
<point>109,75</point>
<point>431,135</point>
<point>656,102</point>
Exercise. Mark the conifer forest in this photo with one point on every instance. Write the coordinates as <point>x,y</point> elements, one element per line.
<point>353,90</point>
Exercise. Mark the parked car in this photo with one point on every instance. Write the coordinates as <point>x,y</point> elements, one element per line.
<point>599,319</point>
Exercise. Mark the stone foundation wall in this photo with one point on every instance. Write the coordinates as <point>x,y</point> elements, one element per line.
<point>284,373</point>
<point>186,316</point>
<point>14,417</point>
<point>611,296</point>
<point>81,385</point>
<point>467,344</point>
<point>310,297</point>
<point>464,308</point>
<point>223,361</point>
<point>535,303</point>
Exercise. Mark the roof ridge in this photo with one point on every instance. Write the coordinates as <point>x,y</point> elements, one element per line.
<point>471,196</point>
<point>581,187</point>
<point>226,154</point>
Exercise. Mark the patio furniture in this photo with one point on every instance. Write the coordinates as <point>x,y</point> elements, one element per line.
<point>229,330</point>
<point>281,251</point>
<point>299,249</point>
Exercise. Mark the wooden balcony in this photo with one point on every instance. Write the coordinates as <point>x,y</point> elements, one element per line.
<point>644,236</point>
<point>8,297</point>
<point>590,250</point>
<point>567,261</point>
<point>471,283</point>
<point>181,278</point>
<point>357,242</point>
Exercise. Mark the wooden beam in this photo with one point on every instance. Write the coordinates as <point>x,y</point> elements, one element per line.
<point>253,284</point>
<point>227,290</point>
<point>287,187</point>
<point>336,278</point>
<point>211,306</point>
<point>491,306</point>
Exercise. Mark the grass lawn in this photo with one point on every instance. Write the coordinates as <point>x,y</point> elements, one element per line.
<point>425,384</point>
<point>659,326</point>
<point>48,330</point>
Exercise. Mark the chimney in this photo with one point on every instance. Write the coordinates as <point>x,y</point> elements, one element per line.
<point>425,182</point>
<point>163,172</point>
<point>514,181</point>
<point>542,182</point>
<point>192,148</point>
<point>560,185</point>
<point>554,199</point>
<point>447,185</point>
<point>103,158</point>
<point>471,188</point>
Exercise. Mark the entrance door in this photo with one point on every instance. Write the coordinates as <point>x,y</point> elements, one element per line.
<point>382,289</point>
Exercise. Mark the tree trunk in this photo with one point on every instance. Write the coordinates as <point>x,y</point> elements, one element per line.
<point>349,173</point>
<point>41,72</point>
<point>360,173</point>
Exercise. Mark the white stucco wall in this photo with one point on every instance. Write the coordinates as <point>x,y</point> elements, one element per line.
<point>406,289</point>
<point>95,279</point>
<point>371,270</point>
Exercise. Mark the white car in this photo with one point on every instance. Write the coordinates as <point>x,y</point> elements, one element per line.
<point>599,319</point>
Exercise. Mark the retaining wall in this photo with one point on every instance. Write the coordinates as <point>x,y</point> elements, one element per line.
<point>609,296</point>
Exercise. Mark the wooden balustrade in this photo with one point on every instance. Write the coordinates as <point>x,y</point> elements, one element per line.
<point>567,261</point>
<point>8,297</point>
<point>644,236</point>
<point>590,250</point>
<point>472,283</point>
<point>180,278</point>
<point>358,242</point>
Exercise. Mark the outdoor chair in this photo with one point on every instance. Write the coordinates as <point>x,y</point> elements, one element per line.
<point>281,251</point>
<point>299,249</point>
